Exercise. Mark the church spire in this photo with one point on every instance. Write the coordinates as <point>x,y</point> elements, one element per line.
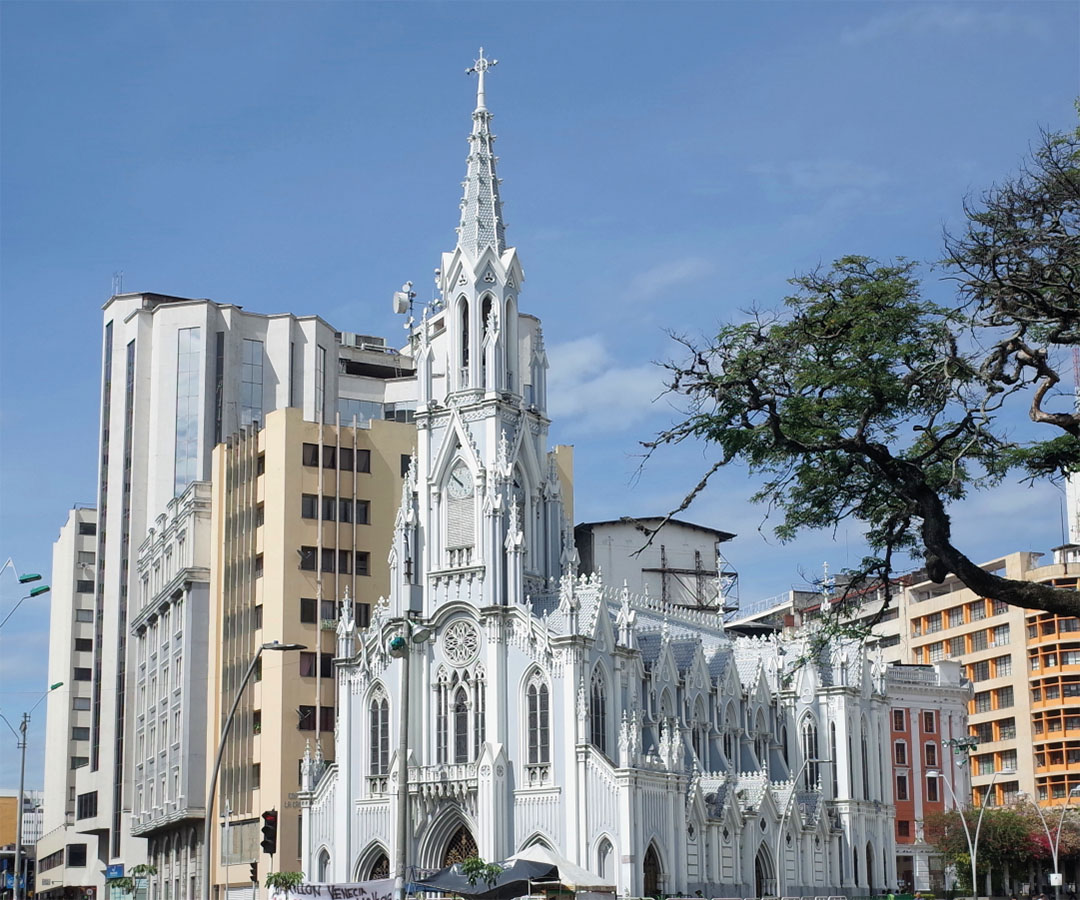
<point>481,223</point>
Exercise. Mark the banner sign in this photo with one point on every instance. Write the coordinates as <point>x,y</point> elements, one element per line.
<point>116,870</point>
<point>360,890</point>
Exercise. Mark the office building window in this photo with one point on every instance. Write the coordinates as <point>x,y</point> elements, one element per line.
<point>363,562</point>
<point>982,702</point>
<point>310,454</point>
<point>956,616</point>
<point>898,720</point>
<point>363,460</point>
<point>80,733</point>
<point>320,381</point>
<point>363,512</point>
<point>84,644</point>
<point>76,856</point>
<point>363,410</point>
<point>900,753</point>
<point>901,787</point>
<point>307,559</point>
<point>188,354</point>
<point>84,586</point>
<point>1002,666</point>
<point>977,610</point>
<point>88,527</point>
<point>77,762</point>
<point>929,721</point>
<point>307,718</point>
<point>932,790</point>
<point>82,674</point>
<point>931,754</point>
<point>80,703</point>
<point>309,607</point>
<point>86,806</point>
<point>84,615</point>
<point>936,651</point>
<point>978,641</point>
<point>1000,635</point>
<point>1004,697</point>
<point>309,506</point>
<point>251,383</point>
<point>979,671</point>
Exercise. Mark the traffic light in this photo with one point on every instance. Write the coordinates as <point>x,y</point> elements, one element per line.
<point>255,872</point>
<point>269,832</point>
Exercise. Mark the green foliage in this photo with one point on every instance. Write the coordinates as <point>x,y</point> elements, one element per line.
<point>284,881</point>
<point>475,869</point>
<point>861,399</point>
<point>129,883</point>
<point>1007,838</point>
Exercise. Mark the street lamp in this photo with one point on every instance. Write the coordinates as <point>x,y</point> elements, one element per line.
<point>809,761</point>
<point>973,843</point>
<point>20,738</point>
<point>34,592</point>
<point>1055,841</point>
<point>210,817</point>
<point>399,649</point>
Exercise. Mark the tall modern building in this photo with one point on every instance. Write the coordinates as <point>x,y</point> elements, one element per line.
<point>65,855</point>
<point>179,377</point>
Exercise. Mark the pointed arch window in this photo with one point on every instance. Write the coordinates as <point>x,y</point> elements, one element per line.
<point>865,764</point>
<point>598,711</point>
<point>461,725</point>
<point>379,718</point>
<point>442,699</point>
<point>479,707</point>
<point>538,705</point>
<point>464,308</point>
<point>810,751</point>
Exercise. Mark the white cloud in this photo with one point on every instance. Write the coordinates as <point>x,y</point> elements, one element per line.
<point>822,175</point>
<point>940,18</point>
<point>589,390</point>
<point>662,278</point>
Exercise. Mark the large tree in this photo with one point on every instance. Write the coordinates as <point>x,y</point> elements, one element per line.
<point>863,399</point>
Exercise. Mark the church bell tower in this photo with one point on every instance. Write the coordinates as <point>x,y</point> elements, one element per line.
<point>482,516</point>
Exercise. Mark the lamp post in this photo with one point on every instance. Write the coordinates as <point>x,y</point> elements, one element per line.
<point>1055,841</point>
<point>20,737</point>
<point>34,592</point>
<point>973,843</point>
<point>209,818</point>
<point>783,817</point>
<point>400,649</point>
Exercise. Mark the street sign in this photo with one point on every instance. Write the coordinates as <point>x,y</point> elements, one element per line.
<point>1055,879</point>
<point>116,870</point>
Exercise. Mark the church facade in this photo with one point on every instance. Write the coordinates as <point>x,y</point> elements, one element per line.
<point>636,738</point>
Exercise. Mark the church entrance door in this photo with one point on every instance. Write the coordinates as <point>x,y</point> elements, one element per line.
<point>460,847</point>
<point>651,873</point>
<point>762,874</point>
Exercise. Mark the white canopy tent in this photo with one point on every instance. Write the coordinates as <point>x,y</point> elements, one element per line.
<point>570,874</point>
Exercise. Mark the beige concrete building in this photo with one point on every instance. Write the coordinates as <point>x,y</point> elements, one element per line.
<point>1025,670</point>
<point>303,517</point>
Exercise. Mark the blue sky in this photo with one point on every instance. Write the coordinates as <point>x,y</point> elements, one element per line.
<point>664,165</point>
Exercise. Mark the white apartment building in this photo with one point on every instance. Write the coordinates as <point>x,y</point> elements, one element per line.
<point>62,852</point>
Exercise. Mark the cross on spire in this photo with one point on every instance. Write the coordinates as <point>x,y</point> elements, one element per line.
<point>479,67</point>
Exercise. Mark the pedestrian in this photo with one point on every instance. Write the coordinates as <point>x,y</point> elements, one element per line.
<point>890,896</point>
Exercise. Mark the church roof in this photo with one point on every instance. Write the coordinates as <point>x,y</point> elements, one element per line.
<point>481,224</point>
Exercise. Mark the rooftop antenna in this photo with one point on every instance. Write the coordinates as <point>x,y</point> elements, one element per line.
<point>403,302</point>
<point>118,282</point>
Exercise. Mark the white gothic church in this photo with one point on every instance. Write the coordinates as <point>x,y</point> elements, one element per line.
<point>636,739</point>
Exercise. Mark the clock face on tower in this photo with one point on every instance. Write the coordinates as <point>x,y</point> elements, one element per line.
<point>461,482</point>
